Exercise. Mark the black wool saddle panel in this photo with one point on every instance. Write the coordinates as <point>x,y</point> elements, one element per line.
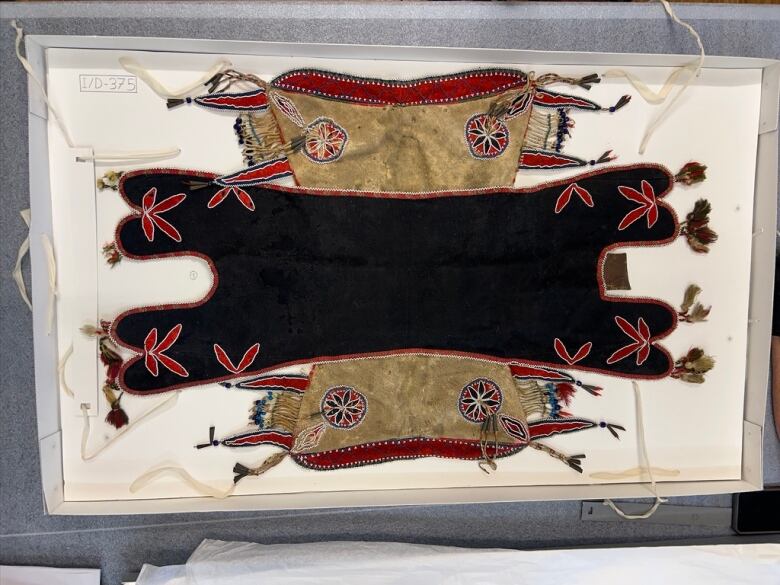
<point>308,276</point>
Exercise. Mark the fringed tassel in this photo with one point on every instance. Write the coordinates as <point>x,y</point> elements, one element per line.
<point>539,134</point>
<point>531,397</point>
<point>620,103</point>
<point>242,471</point>
<point>285,411</point>
<point>692,366</point>
<point>112,254</point>
<point>612,428</point>
<point>583,82</point>
<point>224,80</point>
<point>261,140</point>
<point>116,417</point>
<point>219,83</point>
<point>109,180</point>
<point>607,156</point>
<point>696,228</point>
<point>573,461</point>
<point>256,154</point>
<point>212,442</point>
<point>590,389</point>
<point>588,80</point>
<point>690,310</point>
<point>112,361</point>
<point>548,131</point>
<point>176,102</point>
<point>294,145</point>
<point>691,173</point>
<point>276,410</point>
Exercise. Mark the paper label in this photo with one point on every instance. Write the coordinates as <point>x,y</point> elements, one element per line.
<point>108,83</point>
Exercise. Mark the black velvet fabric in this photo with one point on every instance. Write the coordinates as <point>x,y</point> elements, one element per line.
<point>308,276</point>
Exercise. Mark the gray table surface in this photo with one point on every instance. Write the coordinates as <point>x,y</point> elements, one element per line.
<point>120,544</point>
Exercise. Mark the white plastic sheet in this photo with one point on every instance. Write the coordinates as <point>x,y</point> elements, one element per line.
<point>15,575</point>
<point>217,562</point>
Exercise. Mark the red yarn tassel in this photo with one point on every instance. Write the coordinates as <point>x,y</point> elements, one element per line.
<point>111,359</point>
<point>692,172</point>
<point>565,392</point>
<point>116,417</point>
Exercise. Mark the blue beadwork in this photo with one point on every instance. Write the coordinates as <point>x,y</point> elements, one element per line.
<point>259,414</point>
<point>552,400</point>
<point>563,129</point>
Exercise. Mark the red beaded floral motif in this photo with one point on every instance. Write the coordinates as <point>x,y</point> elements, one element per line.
<point>343,407</point>
<point>480,399</point>
<point>486,136</point>
<point>325,140</point>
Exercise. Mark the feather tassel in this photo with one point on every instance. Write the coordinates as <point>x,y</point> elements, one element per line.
<point>692,366</point>
<point>109,180</point>
<point>112,254</point>
<point>691,173</point>
<point>696,228</point>
<point>692,311</point>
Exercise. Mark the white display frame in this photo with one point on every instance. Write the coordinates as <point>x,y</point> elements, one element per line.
<point>761,283</point>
